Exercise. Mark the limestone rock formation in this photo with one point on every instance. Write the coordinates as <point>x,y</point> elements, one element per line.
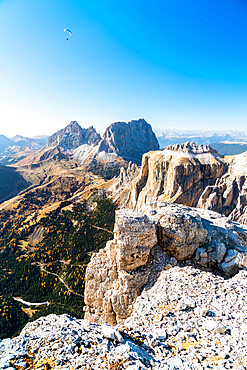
<point>188,320</point>
<point>229,194</point>
<point>196,176</point>
<point>111,286</point>
<point>129,140</point>
<point>73,135</point>
<point>180,173</point>
<point>146,244</point>
<point>121,188</point>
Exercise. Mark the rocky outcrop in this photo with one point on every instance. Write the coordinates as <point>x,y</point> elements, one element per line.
<point>146,244</point>
<point>180,173</point>
<point>229,194</point>
<point>126,140</point>
<point>129,140</point>
<point>111,287</point>
<point>196,176</point>
<point>73,135</point>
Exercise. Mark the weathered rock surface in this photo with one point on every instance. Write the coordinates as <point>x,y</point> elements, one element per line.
<point>180,173</point>
<point>129,140</point>
<point>115,275</point>
<point>189,319</point>
<point>229,194</point>
<point>195,317</point>
<point>145,244</point>
<point>122,142</point>
<point>196,176</point>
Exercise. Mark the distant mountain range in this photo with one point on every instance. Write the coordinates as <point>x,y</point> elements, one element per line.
<point>127,140</point>
<point>226,142</point>
<point>12,150</point>
<point>37,160</point>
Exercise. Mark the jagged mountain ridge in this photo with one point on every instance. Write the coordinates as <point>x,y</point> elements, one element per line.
<point>74,144</point>
<point>126,140</point>
<point>187,237</point>
<point>73,135</point>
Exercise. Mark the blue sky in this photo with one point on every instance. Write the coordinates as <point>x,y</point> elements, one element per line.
<point>177,63</point>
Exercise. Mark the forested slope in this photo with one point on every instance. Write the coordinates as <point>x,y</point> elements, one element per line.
<point>45,260</point>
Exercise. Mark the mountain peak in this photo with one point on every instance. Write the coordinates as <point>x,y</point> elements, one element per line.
<point>73,135</point>
<point>129,140</point>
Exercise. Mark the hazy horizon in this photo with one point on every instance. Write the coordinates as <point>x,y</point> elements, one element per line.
<point>180,65</point>
<point>156,130</point>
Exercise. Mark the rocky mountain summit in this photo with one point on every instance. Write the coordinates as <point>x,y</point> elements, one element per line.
<point>129,140</point>
<point>154,281</point>
<point>188,320</point>
<point>191,148</point>
<point>196,176</point>
<point>73,135</point>
<point>145,244</point>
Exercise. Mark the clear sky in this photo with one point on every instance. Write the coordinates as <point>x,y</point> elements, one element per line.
<point>177,63</point>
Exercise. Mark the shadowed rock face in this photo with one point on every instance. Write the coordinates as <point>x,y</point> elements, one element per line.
<point>129,140</point>
<point>11,182</point>
<point>73,135</point>
<point>146,244</point>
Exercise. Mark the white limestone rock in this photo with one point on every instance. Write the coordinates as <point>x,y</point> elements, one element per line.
<point>111,333</point>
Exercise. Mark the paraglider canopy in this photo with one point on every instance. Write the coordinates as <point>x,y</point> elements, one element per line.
<point>68,33</point>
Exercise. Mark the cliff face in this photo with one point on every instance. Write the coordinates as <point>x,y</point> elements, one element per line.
<point>129,140</point>
<point>169,317</point>
<point>229,194</point>
<point>177,174</point>
<point>191,175</point>
<point>111,287</point>
<point>146,244</point>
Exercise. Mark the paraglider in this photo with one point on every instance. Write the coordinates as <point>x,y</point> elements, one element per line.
<point>68,33</point>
